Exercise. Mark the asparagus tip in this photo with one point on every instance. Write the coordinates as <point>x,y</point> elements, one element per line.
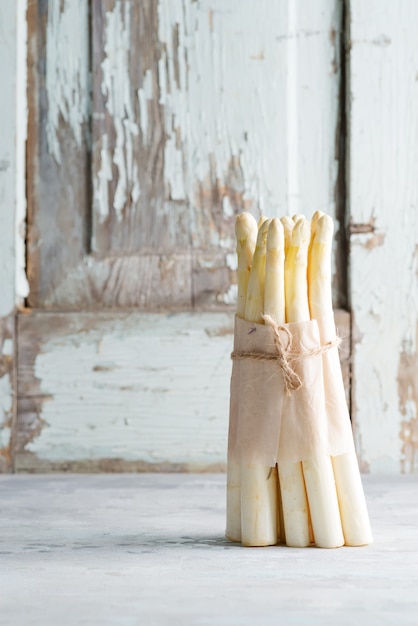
<point>245,227</point>
<point>275,235</point>
<point>324,230</point>
<point>301,233</point>
<point>262,233</point>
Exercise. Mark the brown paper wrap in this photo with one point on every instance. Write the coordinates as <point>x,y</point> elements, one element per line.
<point>265,421</point>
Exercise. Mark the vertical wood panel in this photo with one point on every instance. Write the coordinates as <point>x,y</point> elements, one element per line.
<point>10,185</point>
<point>192,108</point>
<point>58,171</point>
<point>383,187</point>
<point>131,212</point>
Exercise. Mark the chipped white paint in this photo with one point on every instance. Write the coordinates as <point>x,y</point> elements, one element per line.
<point>153,388</point>
<point>67,70</point>
<point>242,84</point>
<point>384,194</point>
<point>145,95</point>
<point>8,52</point>
<point>13,286</point>
<point>101,182</point>
<point>116,89</point>
<point>6,404</point>
<point>21,282</point>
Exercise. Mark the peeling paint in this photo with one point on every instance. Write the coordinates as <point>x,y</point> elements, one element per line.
<point>194,127</point>
<point>408,404</point>
<point>102,179</point>
<point>116,89</point>
<point>134,400</point>
<point>383,192</point>
<point>6,392</point>
<point>21,281</point>
<point>8,173</point>
<point>145,94</point>
<point>205,111</point>
<point>67,72</point>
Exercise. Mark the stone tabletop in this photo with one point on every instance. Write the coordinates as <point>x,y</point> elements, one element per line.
<point>149,550</point>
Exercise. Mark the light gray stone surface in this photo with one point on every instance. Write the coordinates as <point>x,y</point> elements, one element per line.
<point>148,550</point>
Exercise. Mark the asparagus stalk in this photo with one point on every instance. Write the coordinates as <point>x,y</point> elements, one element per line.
<point>258,482</point>
<point>258,505</point>
<point>323,502</point>
<point>274,298</point>
<point>261,221</point>
<point>297,216</point>
<point>292,485</point>
<point>246,235</point>
<point>353,508</point>
<point>297,306</point>
<point>317,472</point>
<point>314,220</point>
<point>288,224</point>
<point>274,305</point>
<point>254,307</point>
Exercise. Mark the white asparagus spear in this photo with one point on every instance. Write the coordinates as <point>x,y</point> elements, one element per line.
<point>254,306</point>
<point>297,306</point>
<point>297,216</point>
<point>274,305</point>
<point>314,220</point>
<point>318,472</point>
<point>353,508</point>
<point>288,224</point>
<point>258,505</point>
<point>258,482</point>
<point>261,221</point>
<point>246,235</point>
<point>292,485</point>
<point>323,502</point>
<point>274,300</point>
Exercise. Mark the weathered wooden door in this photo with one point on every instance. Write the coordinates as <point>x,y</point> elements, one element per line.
<point>151,124</point>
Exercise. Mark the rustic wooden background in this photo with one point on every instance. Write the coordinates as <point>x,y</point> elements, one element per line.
<point>149,125</point>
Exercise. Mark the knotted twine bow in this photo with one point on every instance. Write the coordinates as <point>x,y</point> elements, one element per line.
<point>285,356</point>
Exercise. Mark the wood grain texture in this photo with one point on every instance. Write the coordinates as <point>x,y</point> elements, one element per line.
<point>142,389</point>
<point>12,279</point>
<point>198,111</point>
<point>383,190</point>
<point>58,170</point>
<point>8,63</point>
<point>7,391</point>
<point>126,391</point>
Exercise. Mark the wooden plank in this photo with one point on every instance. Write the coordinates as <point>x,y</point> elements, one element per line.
<point>383,189</point>
<point>141,390</point>
<point>148,282</point>
<point>13,285</point>
<point>193,121</point>
<point>58,169</point>
<point>7,158</point>
<point>207,119</point>
<point>7,396</point>
<point>131,211</point>
<point>125,391</point>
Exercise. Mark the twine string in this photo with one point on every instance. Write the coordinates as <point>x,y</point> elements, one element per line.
<point>285,356</point>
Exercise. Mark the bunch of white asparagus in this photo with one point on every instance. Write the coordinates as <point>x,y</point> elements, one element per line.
<point>284,271</point>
